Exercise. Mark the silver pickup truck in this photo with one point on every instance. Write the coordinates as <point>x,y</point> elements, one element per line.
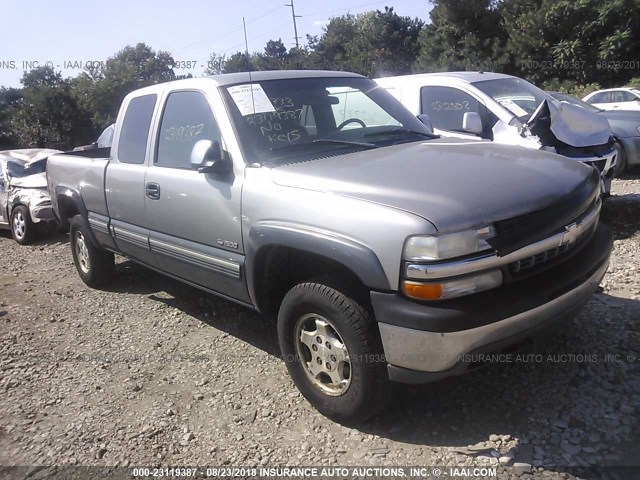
<point>388,254</point>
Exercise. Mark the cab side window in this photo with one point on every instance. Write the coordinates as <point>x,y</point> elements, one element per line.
<point>132,145</point>
<point>446,106</point>
<point>187,118</point>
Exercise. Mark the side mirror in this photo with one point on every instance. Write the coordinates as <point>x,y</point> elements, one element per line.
<point>472,123</point>
<point>426,121</point>
<point>207,157</point>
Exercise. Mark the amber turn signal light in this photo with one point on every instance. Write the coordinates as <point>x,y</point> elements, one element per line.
<point>422,291</point>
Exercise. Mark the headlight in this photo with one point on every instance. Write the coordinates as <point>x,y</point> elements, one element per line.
<point>452,288</point>
<point>448,245</point>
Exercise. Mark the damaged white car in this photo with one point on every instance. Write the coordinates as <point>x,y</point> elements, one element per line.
<point>506,109</point>
<point>25,204</point>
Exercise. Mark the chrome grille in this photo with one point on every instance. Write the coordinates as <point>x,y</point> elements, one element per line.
<point>541,258</point>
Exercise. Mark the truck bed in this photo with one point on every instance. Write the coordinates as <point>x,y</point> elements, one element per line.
<point>63,174</point>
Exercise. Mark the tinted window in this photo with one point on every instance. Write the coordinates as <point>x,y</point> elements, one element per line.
<point>446,106</point>
<point>622,96</point>
<point>132,146</point>
<point>186,119</point>
<point>602,97</point>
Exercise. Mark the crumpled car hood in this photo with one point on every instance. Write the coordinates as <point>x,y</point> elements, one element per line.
<point>573,125</point>
<point>452,183</point>
<point>38,180</point>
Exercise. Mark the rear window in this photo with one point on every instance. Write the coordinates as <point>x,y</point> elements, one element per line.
<point>132,145</point>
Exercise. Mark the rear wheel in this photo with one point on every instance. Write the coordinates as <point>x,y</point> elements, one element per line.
<point>621,159</point>
<point>333,352</point>
<point>94,265</point>
<point>22,227</point>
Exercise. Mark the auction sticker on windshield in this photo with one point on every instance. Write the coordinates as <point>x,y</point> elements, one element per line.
<point>250,99</point>
<point>513,107</point>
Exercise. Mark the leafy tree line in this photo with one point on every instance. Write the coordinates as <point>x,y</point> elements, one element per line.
<point>568,45</point>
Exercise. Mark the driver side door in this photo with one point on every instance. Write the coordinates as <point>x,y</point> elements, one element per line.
<point>194,218</point>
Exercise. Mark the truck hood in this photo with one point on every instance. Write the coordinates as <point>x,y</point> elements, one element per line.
<point>454,184</point>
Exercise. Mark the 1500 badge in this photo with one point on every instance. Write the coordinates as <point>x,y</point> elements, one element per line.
<point>227,243</point>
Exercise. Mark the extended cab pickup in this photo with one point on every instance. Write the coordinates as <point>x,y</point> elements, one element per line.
<point>387,253</point>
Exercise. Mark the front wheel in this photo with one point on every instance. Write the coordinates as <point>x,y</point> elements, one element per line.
<point>95,265</point>
<point>333,352</point>
<point>22,227</point>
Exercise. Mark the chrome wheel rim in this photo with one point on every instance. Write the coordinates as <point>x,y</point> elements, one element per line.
<point>323,354</point>
<point>19,225</point>
<point>82,253</point>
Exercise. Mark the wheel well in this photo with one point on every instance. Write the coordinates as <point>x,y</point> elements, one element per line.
<point>278,269</point>
<point>67,207</point>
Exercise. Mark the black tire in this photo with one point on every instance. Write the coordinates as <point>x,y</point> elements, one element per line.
<point>94,265</point>
<point>368,390</point>
<point>621,160</point>
<point>22,227</point>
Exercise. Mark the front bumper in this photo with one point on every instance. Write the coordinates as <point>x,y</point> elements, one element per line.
<point>427,341</point>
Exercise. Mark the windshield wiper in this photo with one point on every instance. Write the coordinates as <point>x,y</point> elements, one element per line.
<point>327,140</point>
<point>403,131</point>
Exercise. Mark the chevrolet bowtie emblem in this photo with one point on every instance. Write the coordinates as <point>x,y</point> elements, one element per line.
<point>570,234</point>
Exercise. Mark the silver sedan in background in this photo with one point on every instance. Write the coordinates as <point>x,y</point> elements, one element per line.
<point>625,127</point>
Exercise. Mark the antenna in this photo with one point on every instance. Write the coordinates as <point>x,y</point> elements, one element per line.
<point>295,26</point>
<point>246,49</point>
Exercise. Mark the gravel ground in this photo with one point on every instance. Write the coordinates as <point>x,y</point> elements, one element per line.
<point>152,372</point>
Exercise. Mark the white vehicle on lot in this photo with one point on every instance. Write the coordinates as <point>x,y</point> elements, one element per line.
<point>24,199</point>
<point>615,99</point>
<point>509,110</point>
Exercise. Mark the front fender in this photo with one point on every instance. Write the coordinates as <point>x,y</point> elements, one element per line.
<point>361,260</point>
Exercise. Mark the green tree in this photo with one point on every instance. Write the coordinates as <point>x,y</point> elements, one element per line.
<point>464,35</point>
<point>586,40</point>
<point>238,62</point>
<point>10,100</point>
<point>102,89</point>
<point>373,43</point>
<point>48,114</point>
<point>215,65</point>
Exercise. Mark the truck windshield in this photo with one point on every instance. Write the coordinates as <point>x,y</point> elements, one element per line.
<point>516,95</point>
<point>278,120</point>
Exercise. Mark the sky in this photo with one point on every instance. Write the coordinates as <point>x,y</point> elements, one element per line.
<point>66,34</point>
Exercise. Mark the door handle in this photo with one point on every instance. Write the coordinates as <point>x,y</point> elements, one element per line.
<point>152,191</point>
